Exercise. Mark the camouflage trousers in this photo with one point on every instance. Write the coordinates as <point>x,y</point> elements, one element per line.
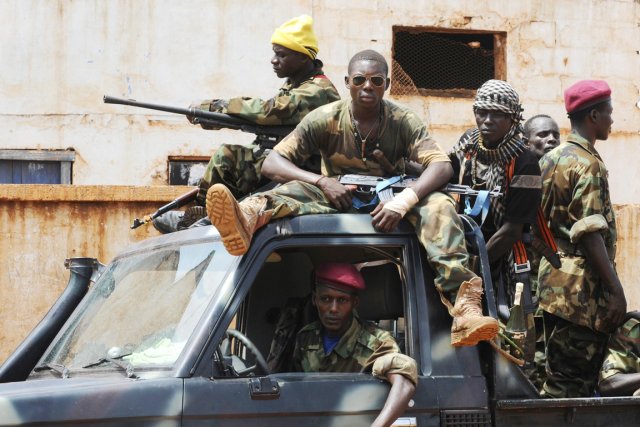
<point>238,167</point>
<point>434,218</point>
<point>574,357</point>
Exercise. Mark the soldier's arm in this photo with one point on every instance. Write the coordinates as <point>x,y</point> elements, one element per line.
<point>503,239</point>
<point>434,177</point>
<point>402,390</point>
<point>286,108</point>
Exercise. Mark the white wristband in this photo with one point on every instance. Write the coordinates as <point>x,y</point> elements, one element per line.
<point>402,202</point>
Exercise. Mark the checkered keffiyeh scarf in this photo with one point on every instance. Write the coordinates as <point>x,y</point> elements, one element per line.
<point>496,95</point>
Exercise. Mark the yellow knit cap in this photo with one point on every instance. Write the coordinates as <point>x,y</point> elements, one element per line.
<point>297,34</point>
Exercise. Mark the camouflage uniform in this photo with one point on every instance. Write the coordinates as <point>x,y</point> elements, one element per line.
<point>402,136</point>
<point>623,352</point>
<point>362,348</point>
<point>575,201</point>
<point>239,166</point>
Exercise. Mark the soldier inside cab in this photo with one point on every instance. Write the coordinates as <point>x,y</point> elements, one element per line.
<point>341,342</point>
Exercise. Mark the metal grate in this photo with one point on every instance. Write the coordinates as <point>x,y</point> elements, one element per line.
<point>429,63</point>
<point>465,418</point>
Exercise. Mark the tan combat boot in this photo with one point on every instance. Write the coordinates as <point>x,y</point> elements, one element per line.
<point>236,222</point>
<point>469,325</point>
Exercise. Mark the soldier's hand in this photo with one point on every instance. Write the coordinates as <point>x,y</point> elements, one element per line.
<point>385,220</point>
<point>338,194</point>
<point>196,105</point>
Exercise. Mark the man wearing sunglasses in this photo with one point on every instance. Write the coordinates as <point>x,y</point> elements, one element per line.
<point>295,48</point>
<point>346,133</point>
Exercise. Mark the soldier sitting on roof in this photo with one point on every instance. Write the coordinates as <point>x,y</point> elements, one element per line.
<point>295,47</point>
<point>341,342</point>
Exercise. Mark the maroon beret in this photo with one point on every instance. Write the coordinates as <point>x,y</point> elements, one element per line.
<point>343,276</point>
<point>586,93</point>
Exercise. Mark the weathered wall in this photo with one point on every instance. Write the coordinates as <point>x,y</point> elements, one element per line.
<point>60,57</point>
<point>42,225</point>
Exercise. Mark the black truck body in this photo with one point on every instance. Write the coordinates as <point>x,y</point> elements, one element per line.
<point>149,344</point>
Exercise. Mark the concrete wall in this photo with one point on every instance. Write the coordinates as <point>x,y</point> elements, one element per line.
<point>59,57</point>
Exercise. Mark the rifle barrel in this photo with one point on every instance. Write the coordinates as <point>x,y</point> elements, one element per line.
<point>216,119</point>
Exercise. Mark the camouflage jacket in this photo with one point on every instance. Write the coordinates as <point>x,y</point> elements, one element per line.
<point>288,107</point>
<point>357,351</point>
<point>623,353</point>
<point>575,201</point>
<point>329,129</point>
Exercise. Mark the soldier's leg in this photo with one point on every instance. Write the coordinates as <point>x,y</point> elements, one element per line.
<point>441,232</point>
<point>574,357</point>
<point>237,222</point>
<point>238,167</point>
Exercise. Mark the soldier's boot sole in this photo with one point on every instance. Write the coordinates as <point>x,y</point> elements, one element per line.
<point>225,214</point>
<point>479,329</point>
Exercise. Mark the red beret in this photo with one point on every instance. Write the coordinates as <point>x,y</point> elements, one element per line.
<point>343,276</point>
<point>586,93</point>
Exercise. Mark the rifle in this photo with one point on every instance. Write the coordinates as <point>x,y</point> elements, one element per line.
<point>267,136</point>
<point>177,203</point>
<point>366,185</point>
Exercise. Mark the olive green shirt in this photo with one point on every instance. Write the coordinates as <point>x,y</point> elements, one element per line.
<point>329,129</point>
<point>358,349</point>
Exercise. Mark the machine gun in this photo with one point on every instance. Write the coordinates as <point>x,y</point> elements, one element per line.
<point>370,185</point>
<point>267,136</point>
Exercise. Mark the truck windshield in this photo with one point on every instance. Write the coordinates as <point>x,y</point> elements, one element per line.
<point>142,309</point>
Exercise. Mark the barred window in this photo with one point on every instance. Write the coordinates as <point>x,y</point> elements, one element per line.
<point>437,62</point>
<point>186,170</point>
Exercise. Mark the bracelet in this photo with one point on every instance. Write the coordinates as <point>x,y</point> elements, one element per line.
<point>318,180</point>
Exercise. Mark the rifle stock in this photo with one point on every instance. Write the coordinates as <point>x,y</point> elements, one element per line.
<point>267,136</point>
<point>175,204</point>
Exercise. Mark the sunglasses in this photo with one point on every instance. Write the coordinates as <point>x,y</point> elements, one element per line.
<point>359,80</point>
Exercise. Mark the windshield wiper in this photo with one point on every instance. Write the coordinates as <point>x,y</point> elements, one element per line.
<point>127,367</point>
<point>61,369</point>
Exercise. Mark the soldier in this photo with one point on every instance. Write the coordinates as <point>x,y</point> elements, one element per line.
<point>346,133</point>
<point>340,342</point>
<point>481,158</point>
<point>583,301</point>
<point>542,134</point>
<point>295,47</point>
<point>620,372</point>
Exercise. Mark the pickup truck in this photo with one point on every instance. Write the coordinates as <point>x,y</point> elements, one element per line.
<point>176,332</point>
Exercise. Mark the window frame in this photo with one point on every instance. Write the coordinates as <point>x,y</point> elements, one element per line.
<point>499,58</point>
<point>65,158</point>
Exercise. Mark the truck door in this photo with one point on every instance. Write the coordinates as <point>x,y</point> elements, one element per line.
<point>290,398</point>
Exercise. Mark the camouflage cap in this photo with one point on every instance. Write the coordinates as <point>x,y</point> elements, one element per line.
<point>341,276</point>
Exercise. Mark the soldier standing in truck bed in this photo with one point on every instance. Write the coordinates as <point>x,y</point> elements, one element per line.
<point>583,301</point>
<point>295,48</point>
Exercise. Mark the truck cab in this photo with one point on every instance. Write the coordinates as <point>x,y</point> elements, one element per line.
<point>175,331</point>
